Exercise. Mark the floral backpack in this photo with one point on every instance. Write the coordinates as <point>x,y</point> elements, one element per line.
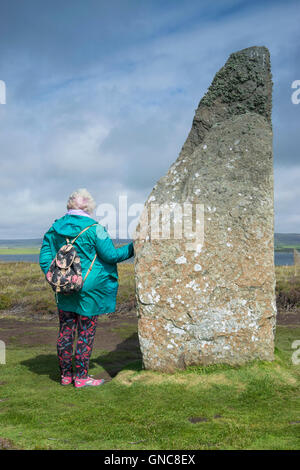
<point>65,272</point>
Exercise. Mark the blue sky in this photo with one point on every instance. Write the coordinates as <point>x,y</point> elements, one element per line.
<point>102,95</point>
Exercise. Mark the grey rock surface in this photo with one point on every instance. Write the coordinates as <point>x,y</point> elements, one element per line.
<point>205,279</point>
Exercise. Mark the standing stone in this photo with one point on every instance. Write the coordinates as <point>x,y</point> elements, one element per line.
<point>296,258</point>
<point>211,299</point>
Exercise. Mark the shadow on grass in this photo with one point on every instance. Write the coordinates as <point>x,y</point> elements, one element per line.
<point>44,364</point>
<point>126,355</point>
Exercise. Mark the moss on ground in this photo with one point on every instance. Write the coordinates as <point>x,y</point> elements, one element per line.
<point>255,406</point>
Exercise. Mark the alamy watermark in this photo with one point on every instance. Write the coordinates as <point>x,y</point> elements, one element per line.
<point>2,352</point>
<point>296,353</point>
<point>296,94</point>
<point>2,92</point>
<point>155,221</point>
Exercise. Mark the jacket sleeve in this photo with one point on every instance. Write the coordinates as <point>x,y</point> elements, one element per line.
<point>46,256</point>
<point>106,249</point>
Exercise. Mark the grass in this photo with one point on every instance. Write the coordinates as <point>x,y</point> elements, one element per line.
<point>250,407</point>
<point>20,251</point>
<point>24,250</point>
<point>254,406</point>
<point>23,288</point>
<point>288,287</point>
<point>33,250</point>
<point>287,247</point>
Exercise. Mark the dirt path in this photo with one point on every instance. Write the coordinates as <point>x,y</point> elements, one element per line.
<point>116,335</point>
<point>291,319</point>
<point>37,333</point>
<point>110,332</point>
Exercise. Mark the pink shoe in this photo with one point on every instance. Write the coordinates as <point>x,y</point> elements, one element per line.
<point>66,380</point>
<point>88,381</point>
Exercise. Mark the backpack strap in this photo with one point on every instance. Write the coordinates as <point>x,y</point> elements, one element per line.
<point>74,240</point>
<point>90,268</point>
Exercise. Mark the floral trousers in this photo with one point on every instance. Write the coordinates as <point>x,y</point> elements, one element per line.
<point>69,323</point>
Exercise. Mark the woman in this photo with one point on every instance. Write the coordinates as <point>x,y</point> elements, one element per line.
<point>80,310</point>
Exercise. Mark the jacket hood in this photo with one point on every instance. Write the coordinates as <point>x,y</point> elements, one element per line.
<point>71,225</point>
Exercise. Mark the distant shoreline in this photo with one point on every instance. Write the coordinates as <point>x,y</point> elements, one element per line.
<point>27,250</point>
<point>36,251</point>
<point>282,258</point>
<point>31,258</point>
<point>16,247</point>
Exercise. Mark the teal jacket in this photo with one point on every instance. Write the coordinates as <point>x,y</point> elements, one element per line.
<point>99,292</point>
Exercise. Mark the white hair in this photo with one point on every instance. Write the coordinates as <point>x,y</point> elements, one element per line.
<point>81,199</point>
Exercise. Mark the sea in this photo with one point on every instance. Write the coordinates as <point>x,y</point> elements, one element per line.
<point>36,243</point>
<point>282,258</point>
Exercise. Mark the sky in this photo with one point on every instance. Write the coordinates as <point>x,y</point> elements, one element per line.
<point>102,94</point>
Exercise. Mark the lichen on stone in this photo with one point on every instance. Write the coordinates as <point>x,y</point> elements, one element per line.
<point>216,302</point>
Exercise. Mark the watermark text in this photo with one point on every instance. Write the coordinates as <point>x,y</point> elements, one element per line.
<point>296,353</point>
<point>2,352</point>
<point>296,94</point>
<point>2,92</point>
<point>155,221</point>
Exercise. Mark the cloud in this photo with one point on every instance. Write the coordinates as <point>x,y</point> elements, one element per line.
<point>104,97</point>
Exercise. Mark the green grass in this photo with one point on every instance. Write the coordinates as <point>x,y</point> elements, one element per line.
<point>125,330</point>
<point>248,407</point>
<point>20,251</point>
<point>23,250</point>
<point>288,287</point>
<point>286,247</point>
<point>23,287</point>
<point>33,250</point>
<point>255,406</point>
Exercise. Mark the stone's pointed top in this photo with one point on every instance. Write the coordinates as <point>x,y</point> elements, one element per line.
<point>252,48</point>
<point>254,51</point>
<point>258,54</point>
<point>242,85</point>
